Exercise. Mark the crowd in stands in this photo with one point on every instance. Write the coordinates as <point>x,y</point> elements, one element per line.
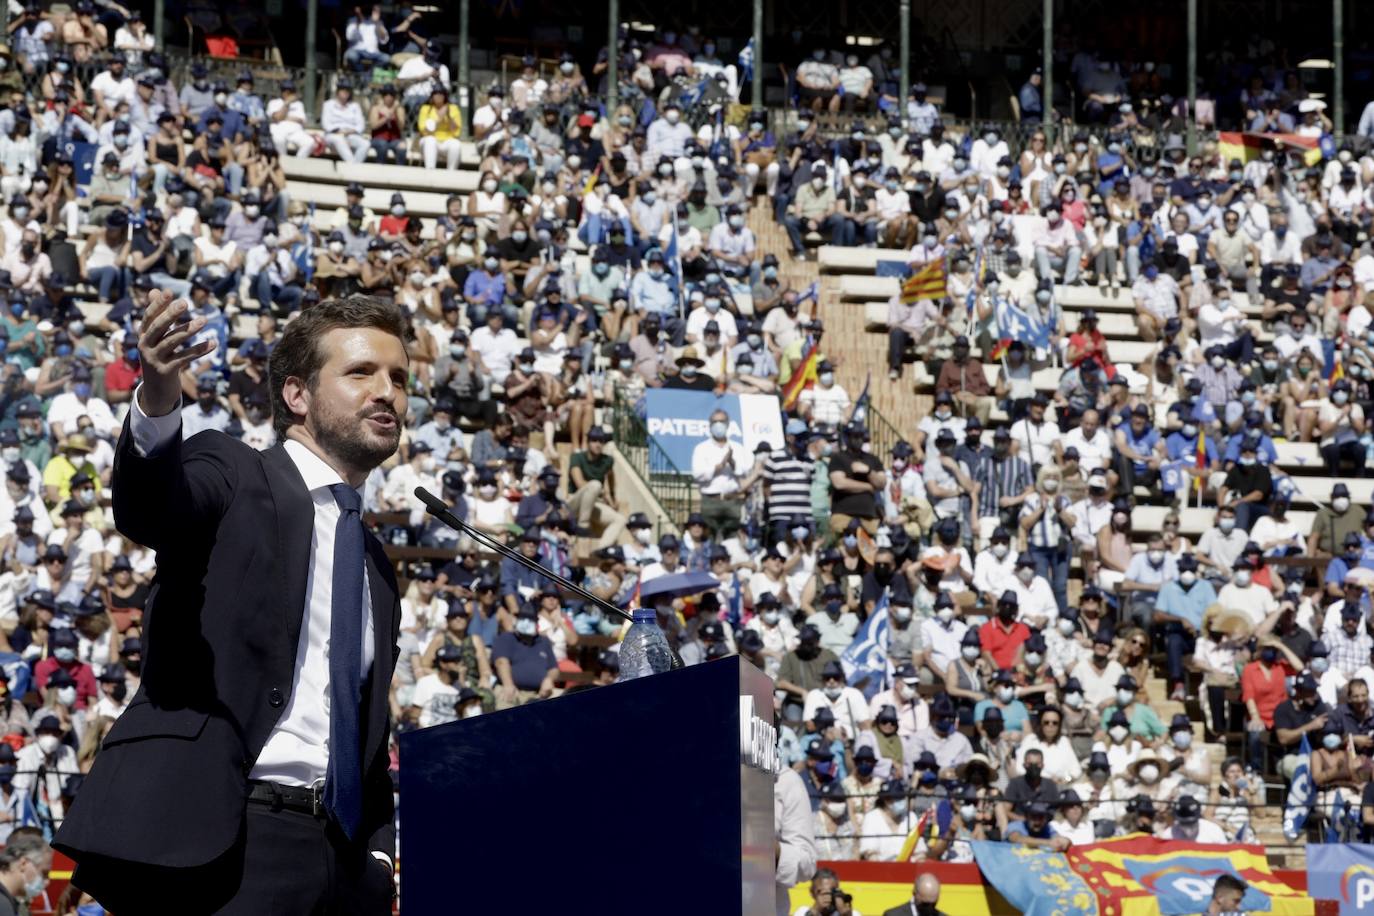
<point>605,252</point>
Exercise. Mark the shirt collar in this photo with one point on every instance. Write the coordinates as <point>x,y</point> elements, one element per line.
<point>313,469</point>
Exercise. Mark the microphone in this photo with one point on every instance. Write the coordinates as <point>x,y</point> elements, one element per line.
<point>440,510</point>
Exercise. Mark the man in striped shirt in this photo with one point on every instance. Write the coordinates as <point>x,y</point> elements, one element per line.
<point>1005,480</point>
<point>1046,520</point>
<point>787,479</point>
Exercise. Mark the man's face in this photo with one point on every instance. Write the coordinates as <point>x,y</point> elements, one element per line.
<point>1225,901</point>
<point>354,408</point>
<point>1358,696</point>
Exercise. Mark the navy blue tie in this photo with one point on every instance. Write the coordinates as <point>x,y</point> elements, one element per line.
<point>343,784</point>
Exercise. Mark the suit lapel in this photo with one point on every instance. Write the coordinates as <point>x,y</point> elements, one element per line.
<point>295,513</point>
<point>385,619</point>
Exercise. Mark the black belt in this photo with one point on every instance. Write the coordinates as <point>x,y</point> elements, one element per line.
<point>288,798</point>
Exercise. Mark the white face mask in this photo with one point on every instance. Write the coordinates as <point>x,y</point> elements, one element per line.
<point>944,614</point>
<point>1074,700</point>
<point>1051,485</point>
<point>836,810</point>
<point>833,693</point>
<point>526,627</point>
<point>970,653</point>
<point>1034,658</point>
<point>1000,551</point>
<point>1156,557</point>
<point>1148,773</point>
<point>10,455</point>
<point>901,614</point>
<point>1226,525</point>
<point>1066,626</point>
<point>427,463</point>
<point>644,535</point>
<point>1187,577</point>
<point>969,813</point>
<point>1118,733</point>
<point>66,695</point>
<point>1183,740</point>
<point>473,709</point>
<point>47,743</point>
<point>1242,577</point>
<point>1006,694</point>
<point>1025,574</point>
<point>771,617</point>
<point>1340,503</point>
<point>1125,697</point>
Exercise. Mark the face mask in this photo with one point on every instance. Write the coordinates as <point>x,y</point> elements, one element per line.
<point>1340,397</point>
<point>1118,733</point>
<point>526,627</point>
<point>897,807</point>
<point>1331,742</point>
<point>1074,700</point>
<point>1125,697</point>
<point>833,693</point>
<point>644,535</point>
<point>1320,664</point>
<point>34,888</point>
<point>970,653</point>
<point>1034,658</point>
<point>1340,503</point>
<point>993,730</point>
<point>1148,773</point>
<point>771,617</point>
<point>837,810</point>
<point>47,743</point>
<point>1242,578</point>
<point>527,368</point>
<point>1226,525</point>
<point>1006,694</point>
<point>336,247</point>
<point>491,263</point>
<point>1025,574</point>
<point>64,654</point>
<point>865,767</point>
<point>66,695</point>
<point>718,428</point>
<point>818,183</point>
<point>969,813</point>
<point>1187,577</point>
<point>1155,557</point>
<point>851,541</point>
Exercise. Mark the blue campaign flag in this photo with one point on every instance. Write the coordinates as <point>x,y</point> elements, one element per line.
<point>745,63</point>
<point>865,661</point>
<point>1300,793</point>
<point>1173,475</point>
<point>1343,872</point>
<point>811,292</point>
<point>1014,323</point>
<point>860,412</point>
<point>1036,882</point>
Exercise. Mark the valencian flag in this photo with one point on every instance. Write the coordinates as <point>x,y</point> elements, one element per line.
<point>804,376</point>
<point>1135,875</point>
<point>926,283</point>
<point>1140,874</point>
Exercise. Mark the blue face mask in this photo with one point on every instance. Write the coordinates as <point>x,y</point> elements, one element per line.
<point>82,389</point>
<point>16,309</point>
<point>64,350</point>
<point>131,354</point>
<point>851,541</point>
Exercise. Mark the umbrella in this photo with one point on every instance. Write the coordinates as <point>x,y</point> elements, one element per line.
<point>677,585</point>
<point>1234,623</point>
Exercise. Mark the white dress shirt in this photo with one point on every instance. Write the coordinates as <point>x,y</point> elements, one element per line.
<point>297,749</point>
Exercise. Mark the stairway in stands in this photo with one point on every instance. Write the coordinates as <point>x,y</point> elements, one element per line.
<point>858,352</point>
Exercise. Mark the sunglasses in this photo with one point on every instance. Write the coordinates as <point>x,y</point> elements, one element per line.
<point>1137,642</point>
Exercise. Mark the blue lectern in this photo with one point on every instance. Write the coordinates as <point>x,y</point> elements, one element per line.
<point>651,796</point>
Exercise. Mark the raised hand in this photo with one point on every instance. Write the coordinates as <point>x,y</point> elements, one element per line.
<point>164,351</point>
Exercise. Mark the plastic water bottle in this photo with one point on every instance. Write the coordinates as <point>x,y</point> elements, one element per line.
<point>644,650</point>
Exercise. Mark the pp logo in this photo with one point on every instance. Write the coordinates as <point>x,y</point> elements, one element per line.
<point>1357,887</point>
<point>1194,884</point>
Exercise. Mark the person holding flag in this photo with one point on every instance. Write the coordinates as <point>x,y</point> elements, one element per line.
<point>800,362</point>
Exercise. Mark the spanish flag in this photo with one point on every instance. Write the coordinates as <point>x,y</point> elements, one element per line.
<point>804,376</point>
<point>926,283</point>
<point>1337,371</point>
<point>1201,459</point>
<point>1247,145</point>
<point>1000,349</point>
<point>591,180</point>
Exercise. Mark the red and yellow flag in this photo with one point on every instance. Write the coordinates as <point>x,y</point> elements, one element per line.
<point>926,283</point>
<point>804,375</point>
<point>1337,371</point>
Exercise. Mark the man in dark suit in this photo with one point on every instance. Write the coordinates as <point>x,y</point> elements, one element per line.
<point>925,897</point>
<point>250,772</point>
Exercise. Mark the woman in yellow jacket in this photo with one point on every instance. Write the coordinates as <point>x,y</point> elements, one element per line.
<point>440,123</point>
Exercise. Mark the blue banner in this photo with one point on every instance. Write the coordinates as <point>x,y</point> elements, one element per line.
<point>1343,872</point>
<point>1014,323</point>
<point>866,662</point>
<point>680,420</point>
<point>1037,882</point>
<point>1300,793</point>
<point>1181,882</point>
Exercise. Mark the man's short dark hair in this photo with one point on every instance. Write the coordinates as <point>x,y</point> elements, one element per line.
<point>1228,883</point>
<point>298,353</point>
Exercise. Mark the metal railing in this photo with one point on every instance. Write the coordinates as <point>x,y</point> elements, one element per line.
<point>882,435</point>
<point>673,490</point>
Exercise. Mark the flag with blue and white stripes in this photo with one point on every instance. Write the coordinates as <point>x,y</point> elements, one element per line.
<point>866,663</point>
<point>1300,793</point>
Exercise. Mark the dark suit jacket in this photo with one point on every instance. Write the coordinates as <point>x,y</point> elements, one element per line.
<point>232,528</point>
